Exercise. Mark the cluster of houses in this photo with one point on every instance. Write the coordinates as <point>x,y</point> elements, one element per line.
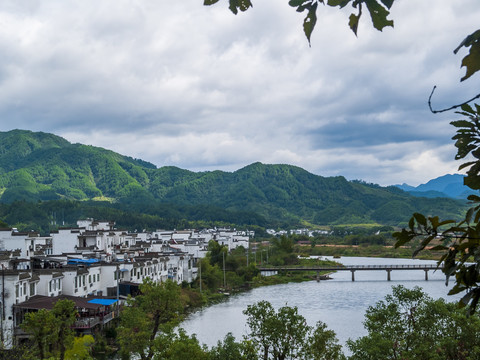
<point>95,265</point>
<point>304,231</point>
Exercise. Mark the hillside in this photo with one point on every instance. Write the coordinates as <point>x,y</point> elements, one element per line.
<point>39,166</point>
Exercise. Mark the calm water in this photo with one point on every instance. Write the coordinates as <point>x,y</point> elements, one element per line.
<point>340,303</point>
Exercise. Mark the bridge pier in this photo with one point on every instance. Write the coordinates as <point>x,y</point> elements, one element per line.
<point>318,276</point>
<point>388,275</point>
<point>353,275</point>
<point>426,275</point>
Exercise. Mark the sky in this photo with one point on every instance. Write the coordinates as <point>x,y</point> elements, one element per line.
<point>178,83</point>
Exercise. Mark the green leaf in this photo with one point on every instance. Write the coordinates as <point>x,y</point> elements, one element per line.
<point>243,5</point>
<point>421,219</point>
<point>461,123</point>
<point>210,2</point>
<point>310,21</point>
<point>341,3</point>
<point>295,3</point>
<point>439,247</point>
<point>467,108</point>
<point>378,14</point>
<point>472,61</point>
<point>353,23</point>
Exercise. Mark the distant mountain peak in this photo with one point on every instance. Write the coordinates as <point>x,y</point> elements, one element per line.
<point>449,185</point>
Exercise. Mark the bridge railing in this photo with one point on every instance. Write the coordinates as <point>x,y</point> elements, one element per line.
<point>354,267</point>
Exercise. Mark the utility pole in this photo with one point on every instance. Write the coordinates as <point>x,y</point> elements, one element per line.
<point>224,279</point>
<point>200,268</point>
<point>3,302</point>
<point>118,288</point>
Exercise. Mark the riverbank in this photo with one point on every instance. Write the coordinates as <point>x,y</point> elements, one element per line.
<point>375,251</point>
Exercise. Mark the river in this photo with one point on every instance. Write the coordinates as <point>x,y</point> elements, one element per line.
<point>339,302</point>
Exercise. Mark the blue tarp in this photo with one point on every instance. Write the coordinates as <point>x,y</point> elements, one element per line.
<point>105,302</point>
<point>83,261</point>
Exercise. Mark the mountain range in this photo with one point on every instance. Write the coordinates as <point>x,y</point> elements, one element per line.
<point>36,166</point>
<point>450,185</point>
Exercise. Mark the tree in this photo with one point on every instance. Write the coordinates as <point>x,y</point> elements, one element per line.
<point>81,349</point>
<point>51,330</point>
<point>153,312</point>
<point>285,334</point>
<point>323,344</point>
<point>64,313</point>
<point>228,349</point>
<point>410,325</point>
<point>40,325</point>
<point>179,346</point>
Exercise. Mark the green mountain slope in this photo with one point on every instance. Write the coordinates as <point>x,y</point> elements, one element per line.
<point>40,166</point>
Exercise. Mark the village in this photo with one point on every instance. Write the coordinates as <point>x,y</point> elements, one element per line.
<point>96,266</point>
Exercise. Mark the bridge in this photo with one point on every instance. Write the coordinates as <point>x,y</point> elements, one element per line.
<point>353,269</point>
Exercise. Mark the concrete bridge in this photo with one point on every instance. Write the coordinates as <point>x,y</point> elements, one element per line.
<point>354,268</point>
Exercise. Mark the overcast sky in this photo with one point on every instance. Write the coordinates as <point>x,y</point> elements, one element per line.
<point>178,83</point>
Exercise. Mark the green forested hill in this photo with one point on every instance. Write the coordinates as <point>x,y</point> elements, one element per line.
<point>40,166</point>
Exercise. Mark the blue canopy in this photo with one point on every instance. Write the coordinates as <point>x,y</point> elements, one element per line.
<point>105,302</point>
<point>83,261</point>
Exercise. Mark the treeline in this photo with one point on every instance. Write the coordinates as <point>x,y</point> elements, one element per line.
<point>44,216</point>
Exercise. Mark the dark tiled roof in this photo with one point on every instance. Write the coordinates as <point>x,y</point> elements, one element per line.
<point>45,302</point>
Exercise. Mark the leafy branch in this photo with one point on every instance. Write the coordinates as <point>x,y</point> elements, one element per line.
<point>379,11</point>
<point>461,254</point>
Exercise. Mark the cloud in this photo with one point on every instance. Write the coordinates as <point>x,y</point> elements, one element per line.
<point>178,83</point>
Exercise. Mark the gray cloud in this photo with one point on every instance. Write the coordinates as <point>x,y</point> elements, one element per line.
<point>178,83</point>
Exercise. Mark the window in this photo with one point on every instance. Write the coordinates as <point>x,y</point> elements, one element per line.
<point>98,277</point>
<point>16,290</point>
<point>32,289</point>
<point>24,288</point>
<point>90,279</point>
<point>50,286</point>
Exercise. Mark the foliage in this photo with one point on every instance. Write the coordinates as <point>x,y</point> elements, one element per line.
<point>51,331</point>
<point>411,325</point>
<point>228,349</point>
<point>284,333</point>
<point>81,349</point>
<point>153,312</point>
<point>461,247</point>
<point>179,346</point>
<point>40,325</point>
<point>378,11</point>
